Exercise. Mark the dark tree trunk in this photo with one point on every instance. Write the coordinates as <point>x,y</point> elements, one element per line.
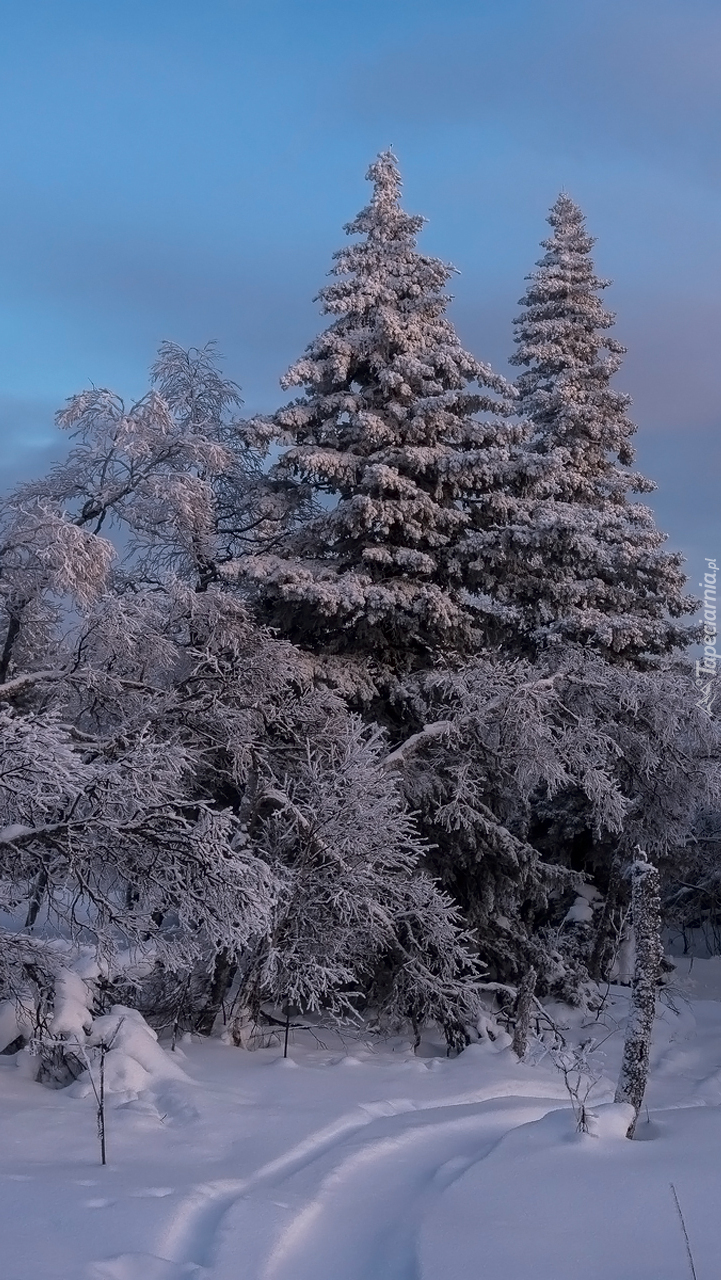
<point>36,898</point>
<point>13,632</point>
<point>223,973</point>
<point>602,953</point>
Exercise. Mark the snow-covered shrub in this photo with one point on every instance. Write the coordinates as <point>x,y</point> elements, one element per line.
<point>358,924</point>
<point>134,1062</point>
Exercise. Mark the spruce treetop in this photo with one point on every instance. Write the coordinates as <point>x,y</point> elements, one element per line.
<point>569,360</point>
<point>576,559</point>
<point>387,434</point>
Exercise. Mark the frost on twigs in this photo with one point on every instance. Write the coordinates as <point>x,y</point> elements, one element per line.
<point>174,471</point>
<point>568,739</point>
<point>580,1074</point>
<point>358,925</point>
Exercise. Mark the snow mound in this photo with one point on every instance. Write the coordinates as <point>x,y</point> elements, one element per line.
<point>143,1266</point>
<point>12,1023</point>
<point>610,1120</point>
<point>135,1062</point>
<point>71,1017</point>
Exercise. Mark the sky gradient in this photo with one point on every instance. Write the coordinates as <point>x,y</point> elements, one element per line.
<point>183,170</point>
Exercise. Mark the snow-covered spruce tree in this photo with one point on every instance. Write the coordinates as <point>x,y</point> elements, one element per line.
<point>388,434</point>
<point>577,559</point>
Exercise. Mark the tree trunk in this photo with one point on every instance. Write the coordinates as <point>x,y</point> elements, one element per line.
<point>601,955</point>
<point>13,632</point>
<point>524,1007</point>
<point>646,916</point>
<point>223,974</point>
<point>36,898</point>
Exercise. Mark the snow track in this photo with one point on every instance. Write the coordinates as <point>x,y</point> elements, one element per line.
<point>363,1223</point>
<point>389,1161</point>
<point>375,1164</point>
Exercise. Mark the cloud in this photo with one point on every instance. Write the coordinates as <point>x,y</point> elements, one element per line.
<point>29,440</point>
<point>579,75</point>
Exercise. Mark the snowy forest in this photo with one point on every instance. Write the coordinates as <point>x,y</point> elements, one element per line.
<point>376,711</point>
<point>353,709</point>
<point>359,707</point>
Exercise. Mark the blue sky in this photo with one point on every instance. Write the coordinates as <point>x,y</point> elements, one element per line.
<point>182,170</point>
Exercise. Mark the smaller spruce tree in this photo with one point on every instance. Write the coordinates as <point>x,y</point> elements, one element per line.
<point>574,558</point>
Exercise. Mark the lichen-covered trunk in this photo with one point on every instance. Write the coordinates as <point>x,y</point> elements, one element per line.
<point>524,1009</point>
<point>646,915</point>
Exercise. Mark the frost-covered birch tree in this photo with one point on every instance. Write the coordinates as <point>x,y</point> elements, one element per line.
<point>357,926</point>
<point>148,727</point>
<point>176,473</point>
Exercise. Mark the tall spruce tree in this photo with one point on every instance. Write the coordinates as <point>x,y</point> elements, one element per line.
<point>577,559</point>
<point>387,433</point>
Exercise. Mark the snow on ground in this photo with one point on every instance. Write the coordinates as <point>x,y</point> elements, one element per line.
<point>356,1160</point>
